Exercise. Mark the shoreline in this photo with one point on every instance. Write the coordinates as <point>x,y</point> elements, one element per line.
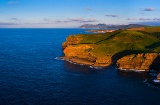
<point>123,69</point>
<point>82,61</point>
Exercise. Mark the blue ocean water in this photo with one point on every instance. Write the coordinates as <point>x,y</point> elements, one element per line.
<point>31,74</point>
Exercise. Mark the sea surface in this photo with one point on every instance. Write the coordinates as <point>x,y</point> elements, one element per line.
<point>32,74</point>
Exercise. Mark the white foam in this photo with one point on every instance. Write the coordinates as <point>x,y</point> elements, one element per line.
<point>135,70</point>
<point>58,58</point>
<point>71,62</point>
<point>145,80</point>
<point>94,67</point>
<point>156,81</point>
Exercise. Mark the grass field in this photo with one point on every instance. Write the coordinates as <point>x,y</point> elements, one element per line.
<point>144,40</point>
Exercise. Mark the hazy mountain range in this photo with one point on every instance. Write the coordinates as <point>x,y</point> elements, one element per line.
<point>104,26</point>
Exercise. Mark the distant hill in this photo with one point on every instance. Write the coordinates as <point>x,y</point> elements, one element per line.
<point>104,26</point>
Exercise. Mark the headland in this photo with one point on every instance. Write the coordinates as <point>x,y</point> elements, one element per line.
<point>129,49</point>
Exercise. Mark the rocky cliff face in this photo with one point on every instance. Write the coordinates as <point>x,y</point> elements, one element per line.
<point>71,40</point>
<point>82,51</point>
<point>73,49</point>
<point>140,61</point>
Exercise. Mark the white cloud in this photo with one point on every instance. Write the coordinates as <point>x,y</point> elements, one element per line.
<point>15,19</point>
<point>47,19</point>
<point>88,9</point>
<point>111,15</point>
<point>5,23</point>
<point>149,9</point>
<point>149,19</point>
<point>78,20</point>
<point>131,19</point>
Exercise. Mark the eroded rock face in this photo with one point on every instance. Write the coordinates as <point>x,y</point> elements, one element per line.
<point>140,61</point>
<point>83,51</point>
<point>72,48</point>
<point>71,40</point>
<point>158,76</point>
<point>80,51</point>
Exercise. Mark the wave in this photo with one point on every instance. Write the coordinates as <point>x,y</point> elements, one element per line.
<point>94,67</point>
<point>58,58</point>
<point>135,70</point>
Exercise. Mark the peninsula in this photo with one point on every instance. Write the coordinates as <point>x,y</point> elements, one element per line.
<point>133,49</point>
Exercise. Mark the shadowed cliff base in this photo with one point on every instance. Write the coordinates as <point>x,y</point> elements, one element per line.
<point>155,64</point>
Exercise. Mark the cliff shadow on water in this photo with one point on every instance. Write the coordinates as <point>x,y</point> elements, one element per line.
<point>155,64</point>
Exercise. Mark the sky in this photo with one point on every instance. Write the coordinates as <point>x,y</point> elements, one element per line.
<point>74,13</point>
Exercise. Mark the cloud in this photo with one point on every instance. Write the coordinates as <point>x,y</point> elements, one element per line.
<point>15,19</point>
<point>157,19</point>
<point>88,9</point>
<point>144,19</point>
<point>149,19</point>
<point>131,19</point>
<point>78,20</point>
<point>47,19</point>
<point>14,22</point>
<point>81,20</point>
<point>58,21</point>
<point>13,2</point>
<point>3,23</point>
<point>111,15</point>
<point>149,9</point>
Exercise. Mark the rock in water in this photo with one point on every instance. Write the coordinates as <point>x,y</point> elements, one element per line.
<point>158,76</point>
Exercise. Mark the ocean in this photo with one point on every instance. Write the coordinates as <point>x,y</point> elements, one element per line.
<point>32,74</point>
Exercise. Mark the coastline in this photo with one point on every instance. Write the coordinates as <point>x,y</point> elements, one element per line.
<point>82,61</point>
<point>123,69</point>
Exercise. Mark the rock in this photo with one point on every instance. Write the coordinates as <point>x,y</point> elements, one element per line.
<point>82,51</point>
<point>158,76</point>
<point>71,40</point>
<point>139,61</point>
<point>79,51</point>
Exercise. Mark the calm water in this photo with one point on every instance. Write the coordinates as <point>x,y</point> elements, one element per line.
<point>30,74</point>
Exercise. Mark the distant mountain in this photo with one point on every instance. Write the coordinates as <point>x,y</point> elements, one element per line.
<point>104,26</point>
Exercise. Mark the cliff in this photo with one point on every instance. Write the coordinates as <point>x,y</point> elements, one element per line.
<point>140,61</point>
<point>81,53</point>
<point>129,49</point>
